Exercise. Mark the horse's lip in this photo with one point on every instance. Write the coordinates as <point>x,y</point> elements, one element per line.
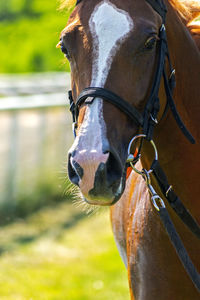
<point>116,197</point>
<point>93,202</point>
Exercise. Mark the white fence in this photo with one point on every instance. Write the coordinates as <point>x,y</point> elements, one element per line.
<point>35,132</point>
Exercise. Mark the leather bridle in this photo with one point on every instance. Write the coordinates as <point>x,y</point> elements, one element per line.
<point>147,121</point>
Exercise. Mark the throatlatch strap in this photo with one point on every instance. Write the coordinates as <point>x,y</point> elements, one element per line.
<point>175,113</point>
<point>174,200</point>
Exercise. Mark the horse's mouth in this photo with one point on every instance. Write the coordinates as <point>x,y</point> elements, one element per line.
<point>107,196</point>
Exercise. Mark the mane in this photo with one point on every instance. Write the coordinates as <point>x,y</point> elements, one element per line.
<point>189,12</point>
<point>67,4</point>
<point>188,9</point>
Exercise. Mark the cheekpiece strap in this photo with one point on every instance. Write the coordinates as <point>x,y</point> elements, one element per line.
<point>159,7</point>
<point>153,104</point>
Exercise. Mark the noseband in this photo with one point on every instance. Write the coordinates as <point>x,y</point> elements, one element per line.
<point>148,119</point>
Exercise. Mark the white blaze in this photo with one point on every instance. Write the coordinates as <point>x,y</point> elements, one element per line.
<point>109,27</point>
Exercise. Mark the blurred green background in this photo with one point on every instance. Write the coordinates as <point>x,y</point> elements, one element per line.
<point>50,249</point>
<point>29,32</point>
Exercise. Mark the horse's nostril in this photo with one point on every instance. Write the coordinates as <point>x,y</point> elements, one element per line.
<point>75,171</point>
<point>95,176</point>
<point>107,178</point>
<point>114,169</point>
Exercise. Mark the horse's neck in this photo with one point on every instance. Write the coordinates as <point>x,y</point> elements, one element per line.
<point>177,156</point>
<point>186,59</point>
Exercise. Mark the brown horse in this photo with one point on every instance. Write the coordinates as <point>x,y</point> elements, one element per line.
<point>114,45</point>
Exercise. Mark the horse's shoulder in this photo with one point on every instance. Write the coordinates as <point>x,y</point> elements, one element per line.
<point>128,215</point>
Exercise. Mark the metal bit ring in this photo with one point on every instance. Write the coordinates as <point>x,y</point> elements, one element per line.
<point>130,155</point>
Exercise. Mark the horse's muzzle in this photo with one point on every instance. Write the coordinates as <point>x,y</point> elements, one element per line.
<point>100,177</point>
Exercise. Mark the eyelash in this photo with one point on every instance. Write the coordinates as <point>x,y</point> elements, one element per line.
<point>150,43</point>
<point>64,50</point>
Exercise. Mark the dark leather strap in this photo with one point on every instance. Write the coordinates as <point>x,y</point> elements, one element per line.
<point>179,247</point>
<point>149,118</point>
<point>72,106</point>
<point>159,7</point>
<point>175,113</point>
<point>114,99</point>
<point>153,104</point>
<point>173,199</point>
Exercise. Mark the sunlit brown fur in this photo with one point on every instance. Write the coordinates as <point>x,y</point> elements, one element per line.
<point>154,270</point>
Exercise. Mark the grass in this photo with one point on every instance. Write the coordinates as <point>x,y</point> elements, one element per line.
<point>47,190</point>
<point>59,254</point>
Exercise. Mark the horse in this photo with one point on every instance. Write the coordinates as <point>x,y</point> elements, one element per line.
<point>115,50</point>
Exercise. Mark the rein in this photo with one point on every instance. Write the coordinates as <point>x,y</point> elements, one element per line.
<point>177,206</point>
<point>147,121</point>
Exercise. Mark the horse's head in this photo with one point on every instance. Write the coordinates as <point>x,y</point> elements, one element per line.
<point>111,45</point>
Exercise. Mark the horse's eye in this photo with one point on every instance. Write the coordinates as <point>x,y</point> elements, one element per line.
<point>65,51</point>
<point>150,43</point>
<point>61,45</point>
